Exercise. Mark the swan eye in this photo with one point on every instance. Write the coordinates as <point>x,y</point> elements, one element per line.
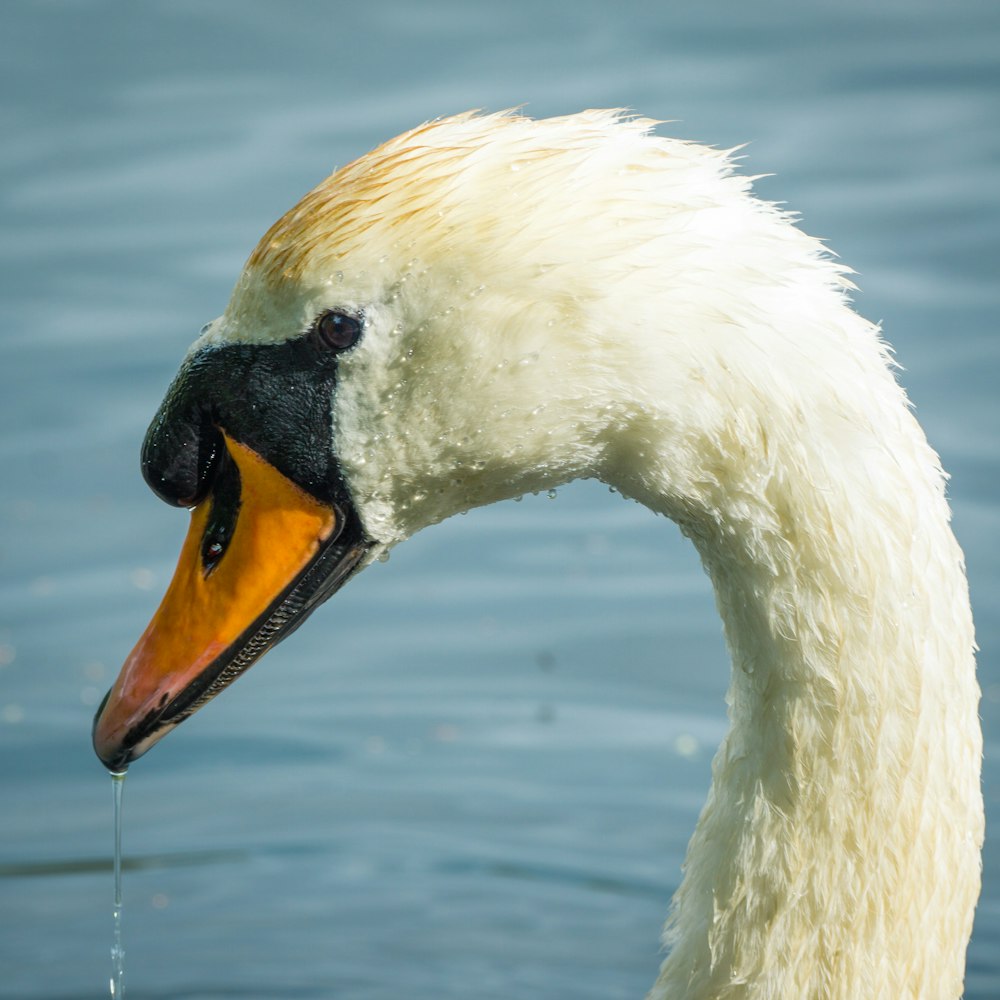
<point>337,331</point>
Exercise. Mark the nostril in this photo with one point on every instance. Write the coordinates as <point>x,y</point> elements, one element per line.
<point>223,513</point>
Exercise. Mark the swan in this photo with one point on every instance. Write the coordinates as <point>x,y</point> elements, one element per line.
<point>489,305</point>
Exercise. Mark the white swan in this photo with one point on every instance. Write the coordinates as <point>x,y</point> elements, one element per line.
<point>489,305</point>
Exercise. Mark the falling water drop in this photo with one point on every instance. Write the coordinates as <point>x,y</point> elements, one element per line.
<point>551,494</point>
<point>117,951</point>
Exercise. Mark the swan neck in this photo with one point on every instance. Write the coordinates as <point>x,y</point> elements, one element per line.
<point>847,785</point>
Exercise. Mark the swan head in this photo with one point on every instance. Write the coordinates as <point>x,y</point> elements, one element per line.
<point>475,310</point>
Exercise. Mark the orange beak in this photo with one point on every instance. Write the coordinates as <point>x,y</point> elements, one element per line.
<point>287,552</point>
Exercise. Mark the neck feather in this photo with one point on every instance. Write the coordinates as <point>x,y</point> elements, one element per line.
<point>837,855</point>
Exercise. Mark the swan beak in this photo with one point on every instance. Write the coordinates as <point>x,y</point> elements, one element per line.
<point>285,553</point>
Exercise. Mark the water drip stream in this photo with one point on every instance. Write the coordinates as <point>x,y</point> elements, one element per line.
<point>117,951</point>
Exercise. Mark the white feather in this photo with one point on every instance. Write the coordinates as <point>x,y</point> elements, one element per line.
<point>576,297</point>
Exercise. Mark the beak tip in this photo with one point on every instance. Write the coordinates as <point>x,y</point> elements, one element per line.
<point>110,752</point>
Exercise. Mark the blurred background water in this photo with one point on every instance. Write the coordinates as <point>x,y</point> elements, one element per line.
<point>475,772</point>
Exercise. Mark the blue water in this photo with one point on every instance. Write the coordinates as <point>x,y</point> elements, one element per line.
<point>475,772</point>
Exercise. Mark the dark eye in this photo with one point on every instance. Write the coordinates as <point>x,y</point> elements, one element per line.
<point>336,330</point>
